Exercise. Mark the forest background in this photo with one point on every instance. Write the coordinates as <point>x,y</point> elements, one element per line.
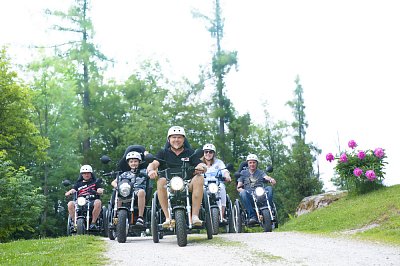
<point>69,102</point>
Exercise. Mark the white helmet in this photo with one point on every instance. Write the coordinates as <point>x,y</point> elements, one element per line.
<point>209,146</point>
<point>86,169</point>
<point>252,157</point>
<point>133,155</point>
<point>176,130</point>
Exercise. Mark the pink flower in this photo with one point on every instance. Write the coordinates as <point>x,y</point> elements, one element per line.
<point>329,157</point>
<point>361,155</point>
<point>352,144</point>
<point>370,174</point>
<point>379,152</point>
<point>357,172</point>
<point>343,158</point>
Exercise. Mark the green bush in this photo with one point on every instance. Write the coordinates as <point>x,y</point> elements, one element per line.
<point>20,203</point>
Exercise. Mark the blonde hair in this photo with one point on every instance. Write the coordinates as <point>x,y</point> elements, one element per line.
<point>205,161</point>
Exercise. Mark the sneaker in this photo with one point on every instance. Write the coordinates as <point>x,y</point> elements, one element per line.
<point>72,228</point>
<point>168,223</point>
<point>92,227</point>
<point>139,221</point>
<point>224,220</point>
<point>196,221</point>
<point>252,220</point>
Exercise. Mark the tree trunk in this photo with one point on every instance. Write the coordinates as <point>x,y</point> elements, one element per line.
<point>86,92</point>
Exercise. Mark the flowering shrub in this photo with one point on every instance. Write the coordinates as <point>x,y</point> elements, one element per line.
<point>359,171</point>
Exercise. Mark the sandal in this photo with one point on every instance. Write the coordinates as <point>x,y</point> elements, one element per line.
<point>139,221</point>
<point>196,221</point>
<point>168,223</point>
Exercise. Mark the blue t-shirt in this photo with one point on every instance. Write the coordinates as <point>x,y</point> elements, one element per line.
<point>251,181</point>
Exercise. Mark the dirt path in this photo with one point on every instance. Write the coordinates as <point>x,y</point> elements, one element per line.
<point>276,248</point>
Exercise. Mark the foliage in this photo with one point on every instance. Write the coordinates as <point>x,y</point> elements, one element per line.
<point>348,215</point>
<point>185,107</point>
<point>222,62</point>
<point>239,133</point>
<point>18,135</point>
<point>89,62</point>
<point>359,171</point>
<point>268,141</point>
<point>56,115</point>
<point>54,251</point>
<point>298,177</point>
<point>145,103</point>
<point>72,107</point>
<point>20,202</point>
<point>298,108</point>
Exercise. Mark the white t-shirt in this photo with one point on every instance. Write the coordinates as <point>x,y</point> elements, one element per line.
<point>216,167</point>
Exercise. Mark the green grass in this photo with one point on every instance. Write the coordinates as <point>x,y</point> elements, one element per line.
<point>216,241</point>
<point>79,250</point>
<point>352,215</point>
<point>248,254</point>
<point>264,256</point>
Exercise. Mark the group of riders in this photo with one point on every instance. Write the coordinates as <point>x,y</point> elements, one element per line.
<point>176,149</point>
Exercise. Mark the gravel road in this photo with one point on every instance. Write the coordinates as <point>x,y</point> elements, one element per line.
<point>276,248</point>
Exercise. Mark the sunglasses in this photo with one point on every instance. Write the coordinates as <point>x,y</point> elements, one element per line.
<point>209,152</point>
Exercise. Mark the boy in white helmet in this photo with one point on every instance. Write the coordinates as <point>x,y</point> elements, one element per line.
<point>134,159</point>
<point>213,166</point>
<point>86,185</point>
<point>250,179</point>
<point>173,154</point>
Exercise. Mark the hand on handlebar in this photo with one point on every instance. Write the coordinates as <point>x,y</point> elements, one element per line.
<point>69,192</point>
<point>152,173</point>
<point>228,178</point>
<point>270,180</point>
<point>201,168</point>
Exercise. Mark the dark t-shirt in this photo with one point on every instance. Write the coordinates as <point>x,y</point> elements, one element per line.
<point>168,159</point>
<point>251,181</point>
<point>87,188</point>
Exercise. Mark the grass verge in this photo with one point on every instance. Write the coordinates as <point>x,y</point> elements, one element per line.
<point>374,216</point>
<point>78,250</point>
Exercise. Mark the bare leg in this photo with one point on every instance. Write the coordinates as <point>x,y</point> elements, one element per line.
<point>196,186</point>
<point>162,195</point>
<point>96,210</point>
<point>71,210</point>
<point>223,198</point>
<point>141,201</point>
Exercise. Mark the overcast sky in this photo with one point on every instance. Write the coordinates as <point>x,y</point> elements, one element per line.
<point>346,53</point>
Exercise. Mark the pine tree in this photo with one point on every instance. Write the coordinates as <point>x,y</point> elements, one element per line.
<point>87,58</point>
<point>222,62</point>
<point>301,179</point>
